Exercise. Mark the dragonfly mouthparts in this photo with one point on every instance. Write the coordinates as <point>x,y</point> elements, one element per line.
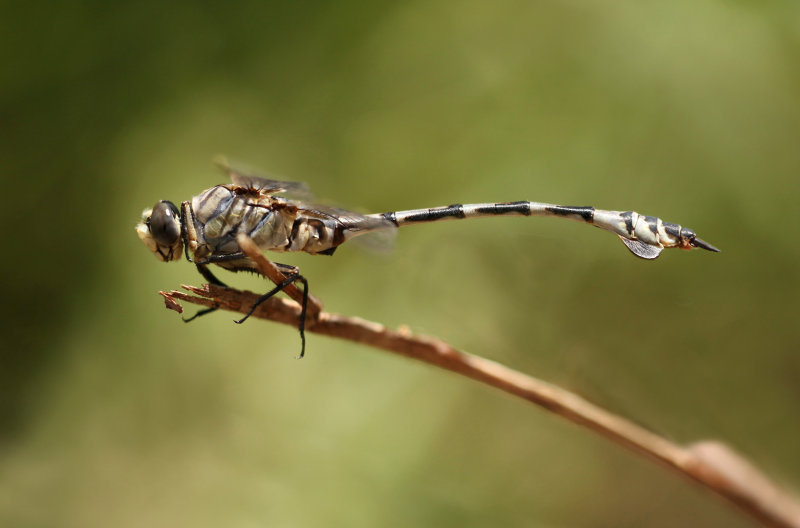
<point>702,244</point>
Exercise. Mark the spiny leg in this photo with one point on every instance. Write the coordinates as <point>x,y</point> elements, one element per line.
<point>293,275</point>
<point>212,279</point>
<point>290,279</point>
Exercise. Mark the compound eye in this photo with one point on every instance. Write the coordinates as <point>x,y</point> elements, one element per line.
<point>164,223</point>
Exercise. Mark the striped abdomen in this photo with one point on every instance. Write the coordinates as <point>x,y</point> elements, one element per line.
<point>645,236</point>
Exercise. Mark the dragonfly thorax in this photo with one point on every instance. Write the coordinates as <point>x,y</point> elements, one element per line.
<point>160,230</point>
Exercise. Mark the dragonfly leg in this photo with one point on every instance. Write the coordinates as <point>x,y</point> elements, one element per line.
<point>213,259</point>
<point>212,279</point>
<point>293,275</point>
<point>200,313</point>
<point>287,269</point>
<point>186,212</point>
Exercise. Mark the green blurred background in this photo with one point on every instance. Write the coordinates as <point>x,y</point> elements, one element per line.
<point>115,413</point>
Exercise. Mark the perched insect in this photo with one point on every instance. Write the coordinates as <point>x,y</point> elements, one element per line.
<point>207,227</point>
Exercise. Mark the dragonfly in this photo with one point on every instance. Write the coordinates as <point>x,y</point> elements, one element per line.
<point>207,226</point>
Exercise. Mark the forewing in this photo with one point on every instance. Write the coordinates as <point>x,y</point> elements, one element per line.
<point>245,178</point>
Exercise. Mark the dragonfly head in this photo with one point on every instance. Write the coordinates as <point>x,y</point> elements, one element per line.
<point>160,230</point>
<point>689,240</point>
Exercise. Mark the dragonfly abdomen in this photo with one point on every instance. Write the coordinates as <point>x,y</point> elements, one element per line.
<point>644,235</point>
<point>457,212</point>
<point>461,211</point>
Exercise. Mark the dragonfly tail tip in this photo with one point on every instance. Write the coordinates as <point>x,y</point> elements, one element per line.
<point>702,244</point>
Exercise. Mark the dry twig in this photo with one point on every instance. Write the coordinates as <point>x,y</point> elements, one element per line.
<point>711,464</point>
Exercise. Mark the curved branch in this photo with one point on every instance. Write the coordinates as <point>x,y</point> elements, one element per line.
<point>712,464</point>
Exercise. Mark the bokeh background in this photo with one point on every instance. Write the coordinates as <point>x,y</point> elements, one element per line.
<point>115,413</point>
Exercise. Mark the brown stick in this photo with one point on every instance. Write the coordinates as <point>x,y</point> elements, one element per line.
<point>711,464</point>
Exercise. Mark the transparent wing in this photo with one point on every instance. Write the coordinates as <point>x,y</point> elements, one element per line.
<point>373,232</point>
<point>246,178</point>
<point>378,241</point>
